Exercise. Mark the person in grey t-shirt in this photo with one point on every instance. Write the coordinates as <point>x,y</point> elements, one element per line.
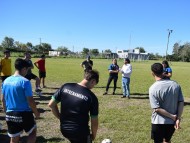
<point>167,102</point>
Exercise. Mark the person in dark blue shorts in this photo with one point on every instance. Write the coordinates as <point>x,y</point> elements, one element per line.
<point>77,103</point>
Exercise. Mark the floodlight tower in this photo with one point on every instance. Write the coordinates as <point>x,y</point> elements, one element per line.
<point>169,32</point>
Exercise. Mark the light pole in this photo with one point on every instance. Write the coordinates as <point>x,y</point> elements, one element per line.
<point>169,32</point>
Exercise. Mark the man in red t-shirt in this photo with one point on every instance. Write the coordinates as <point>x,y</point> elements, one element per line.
<point>40,64</point>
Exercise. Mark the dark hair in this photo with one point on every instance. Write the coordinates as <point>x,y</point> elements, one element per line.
<point>157,69</point>
<point>127,59</point>
<point>43,56</point>
<point>20,64</point>
<point>26,53</point>
<point>166,63</point>
<point>6,51</point>
<point>92,74</point>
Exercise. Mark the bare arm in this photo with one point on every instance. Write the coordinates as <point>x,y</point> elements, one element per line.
<point>165,113</point>
<point>3,101</point>
<point>94,127</point>
<point>180,111</point>
<point>32,105</point>
<point>53,105</point>
<point>36,65</point>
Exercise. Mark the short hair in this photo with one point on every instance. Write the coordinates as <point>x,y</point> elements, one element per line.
<point>6,51</point>
<point>20,64</point>
<point>157,69</point>
<point>42,56</point>
<point>127,59</point>
<point>92,74</point>
<point>166,63</point>
<point>26,53</point>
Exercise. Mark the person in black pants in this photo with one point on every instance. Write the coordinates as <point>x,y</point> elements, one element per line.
<point>113,75</point>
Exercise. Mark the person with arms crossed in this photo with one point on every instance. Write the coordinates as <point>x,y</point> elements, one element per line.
<point>40,64</point>
<point>167,102</point>
<point>30,75</point>
<point>87,64</point>
<point>126,71</point>
<point>19,104</point>
<point>167,70</point>
<point>113,75</point>
<point>5,66</point>
<point>78,102</point>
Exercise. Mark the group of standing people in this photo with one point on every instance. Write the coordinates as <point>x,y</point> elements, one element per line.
<point>79,104</point>
<point>126,71</point>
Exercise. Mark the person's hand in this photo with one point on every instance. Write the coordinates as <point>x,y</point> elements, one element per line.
<point>177,124</point>
<point>174,117</point>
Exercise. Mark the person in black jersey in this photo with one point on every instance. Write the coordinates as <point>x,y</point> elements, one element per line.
<point>87,64</point>
<point>78,105</point>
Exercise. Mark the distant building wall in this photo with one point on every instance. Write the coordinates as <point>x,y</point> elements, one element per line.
<point>133,54</point>
<point>54,53</point>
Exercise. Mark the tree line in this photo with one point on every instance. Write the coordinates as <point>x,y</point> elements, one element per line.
<point>180,52</point>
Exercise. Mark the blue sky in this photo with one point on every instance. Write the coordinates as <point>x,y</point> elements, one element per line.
<point>97,24</point>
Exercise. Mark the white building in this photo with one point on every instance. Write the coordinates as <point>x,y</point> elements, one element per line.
<point>54,53</point>
<point>132,54</point>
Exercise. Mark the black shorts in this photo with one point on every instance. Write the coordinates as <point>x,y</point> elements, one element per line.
<point>162,131</point>
<point>30,76</point>
<point>76,138</point>
<point>19,121</point>
<point>42,74</point>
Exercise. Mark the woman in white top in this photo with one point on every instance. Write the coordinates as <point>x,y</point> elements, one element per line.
<point>126,71</point>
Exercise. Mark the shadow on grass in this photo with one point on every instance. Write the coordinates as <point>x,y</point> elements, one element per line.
<point>42,98</point>
<point>186,103</point>
<point>52,88</point>
<point>42,110</point>
<point>23,139</point>
<point>2,117</point>
<point>105,87</point>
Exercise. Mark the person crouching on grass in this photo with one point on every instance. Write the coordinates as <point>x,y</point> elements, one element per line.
<point>19,104</point>
<point>77,103</point>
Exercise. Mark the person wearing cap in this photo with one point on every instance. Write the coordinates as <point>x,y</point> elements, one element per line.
<point>5,66</point>
<point>126,71</point>
<point>87,64</point>
<point>19,105</point>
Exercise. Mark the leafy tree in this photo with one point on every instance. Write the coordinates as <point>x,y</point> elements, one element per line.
<point>141,49</point>
<point>29,45</point>
<point>85,51</point>
<point>94,52</point>
<point>45,47</point>
<point>8,42</point>
<point>107,51</point>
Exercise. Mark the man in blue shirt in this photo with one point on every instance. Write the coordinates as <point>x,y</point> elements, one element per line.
<point>19,104</point>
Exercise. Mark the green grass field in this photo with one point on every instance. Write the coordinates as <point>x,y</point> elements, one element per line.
<point>121,120</point>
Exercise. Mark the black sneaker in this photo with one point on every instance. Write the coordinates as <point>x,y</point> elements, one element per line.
<point>123,97</point>
<point>105,93</point>
<point>113,93</point>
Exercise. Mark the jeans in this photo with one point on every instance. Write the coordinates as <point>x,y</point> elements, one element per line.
<point>125,86</point>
